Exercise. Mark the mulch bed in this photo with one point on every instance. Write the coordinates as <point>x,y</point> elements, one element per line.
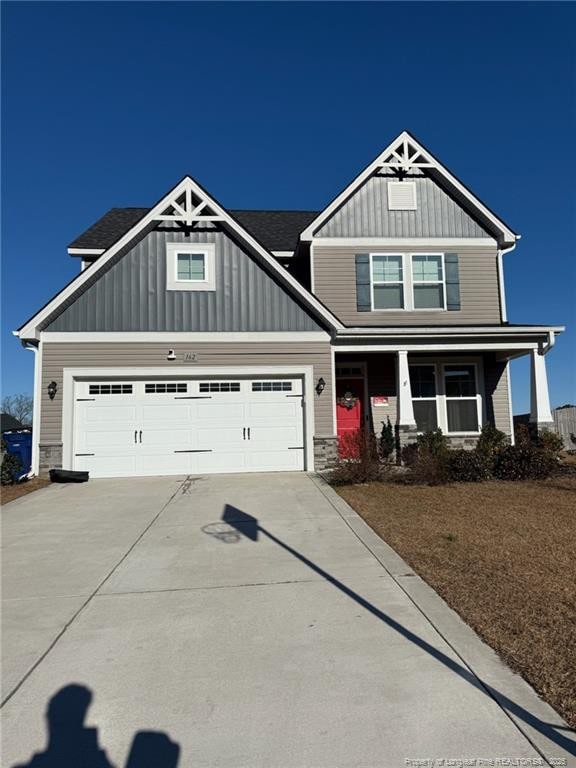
<point>503,555</point>
<point>11,492</point>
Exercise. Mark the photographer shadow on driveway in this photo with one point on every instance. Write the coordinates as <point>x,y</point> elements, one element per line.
<point>71,743</point>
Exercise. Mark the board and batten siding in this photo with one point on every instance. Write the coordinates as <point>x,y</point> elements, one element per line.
<point>57,356</point>
<point>366,214</point>
<point>335,286</point>
<point>131,295</point>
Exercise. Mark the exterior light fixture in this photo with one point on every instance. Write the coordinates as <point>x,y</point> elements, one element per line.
<point>320,386</point>
<point>52,389</point>
<point>171,355</point>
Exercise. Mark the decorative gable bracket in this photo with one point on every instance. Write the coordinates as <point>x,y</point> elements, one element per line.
<point>404,156</point>
<point>187,207</point>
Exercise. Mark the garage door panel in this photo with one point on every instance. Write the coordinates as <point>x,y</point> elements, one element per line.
<point>166,464</point>
<point>100,466</point>
<point>94,413</point>
<point>275,460</point>
<point>165,412</point>
<point>231,412</point>
<point>279,410</point>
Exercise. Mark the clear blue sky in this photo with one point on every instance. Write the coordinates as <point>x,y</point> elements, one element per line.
<point>279,106</point>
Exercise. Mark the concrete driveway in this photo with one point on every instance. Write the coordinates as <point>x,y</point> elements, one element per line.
<point>297,641</point>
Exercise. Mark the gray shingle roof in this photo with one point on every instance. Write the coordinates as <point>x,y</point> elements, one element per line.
<point>276,230</point>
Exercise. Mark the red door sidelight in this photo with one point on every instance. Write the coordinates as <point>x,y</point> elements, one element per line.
<point>348,414</point>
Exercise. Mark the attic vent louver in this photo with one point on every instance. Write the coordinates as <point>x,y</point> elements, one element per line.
<point>401,196</point>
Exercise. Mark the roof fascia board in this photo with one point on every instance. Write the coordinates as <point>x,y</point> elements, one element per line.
<point>308,234</point>
<point>30,328</point>
<point>86,251</point>
<point>477,330</point>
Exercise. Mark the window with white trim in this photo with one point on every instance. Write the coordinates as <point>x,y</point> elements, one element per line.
<point>428,281</point>
<point>462,399</point>
<point>423,386</point>
<point>387,271</point>
<point>190,267</point>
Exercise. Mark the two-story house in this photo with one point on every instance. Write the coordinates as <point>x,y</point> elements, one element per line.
<point>197,339</point>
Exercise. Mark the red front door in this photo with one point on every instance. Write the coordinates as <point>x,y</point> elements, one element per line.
<point>348,413</point>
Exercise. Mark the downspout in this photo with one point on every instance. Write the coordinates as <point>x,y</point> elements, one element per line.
<point>35,347</point>
<point>501,253</point>
<point>545,348</point>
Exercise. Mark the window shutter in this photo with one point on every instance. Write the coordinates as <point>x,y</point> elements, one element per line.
<point>363,300</point>
<point>452,282</point>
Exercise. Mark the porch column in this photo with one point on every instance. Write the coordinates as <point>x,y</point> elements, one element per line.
<point>404,392</point>
<point>540,413</point>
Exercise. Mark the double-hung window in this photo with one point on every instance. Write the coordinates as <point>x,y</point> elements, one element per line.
<point>462,400</point>
<point>423,386</point>
<point>428,281</point>
<point>387,281</point>
<point>190,267</point>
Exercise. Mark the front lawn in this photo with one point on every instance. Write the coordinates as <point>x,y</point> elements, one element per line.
<point>11,492</point>
<point>503,555</point>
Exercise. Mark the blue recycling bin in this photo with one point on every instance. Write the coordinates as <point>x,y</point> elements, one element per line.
<point>19,443</point>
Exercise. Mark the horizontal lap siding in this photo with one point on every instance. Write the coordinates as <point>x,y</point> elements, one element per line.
<point>497,401</point>
<point>56,357</point>
<point>335,286</point>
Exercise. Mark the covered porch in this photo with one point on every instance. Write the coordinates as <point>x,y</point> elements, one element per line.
<point>455,379</point>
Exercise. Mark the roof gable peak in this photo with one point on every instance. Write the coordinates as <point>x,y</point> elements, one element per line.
<point>402,155</point>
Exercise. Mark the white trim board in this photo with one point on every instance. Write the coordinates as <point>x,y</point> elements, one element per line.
<point>405,242</point>
<point>455,330</point>
<point>86,251</point>
<point>429,160</point>
<point>176,337</point>
<point>188,187</point>
<point>69,376</point>
<point>479,347</point>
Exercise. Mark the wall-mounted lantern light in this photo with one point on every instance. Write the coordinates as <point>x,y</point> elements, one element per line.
<point>320,386</point>
<point>52,389</point>
<point>171,355</point>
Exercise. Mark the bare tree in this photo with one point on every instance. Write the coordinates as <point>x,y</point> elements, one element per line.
<point>19,406</point>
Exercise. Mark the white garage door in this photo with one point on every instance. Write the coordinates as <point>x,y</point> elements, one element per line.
<point>127,428</point>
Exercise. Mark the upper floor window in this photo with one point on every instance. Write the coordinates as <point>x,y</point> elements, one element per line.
<point>387,281</point>
<point>428,281</point>
<point>190,267</point>
<point>408,281</point>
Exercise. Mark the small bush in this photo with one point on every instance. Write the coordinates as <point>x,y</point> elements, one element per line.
<point>433,442</point>
<point>522,436</point>
<point>358,460</point>
<point>520,462</point>
<point>387,442</point>
<point>550,441</point>
<point>491,441</point>
<point>428,460</point>
<point>11,465</point>
<point>468,466</point>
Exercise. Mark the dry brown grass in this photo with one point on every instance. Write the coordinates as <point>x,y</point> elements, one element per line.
<point>503,555</point>
<point>11,492</point>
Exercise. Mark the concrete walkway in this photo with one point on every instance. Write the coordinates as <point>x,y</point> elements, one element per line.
<point>297,641</point>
